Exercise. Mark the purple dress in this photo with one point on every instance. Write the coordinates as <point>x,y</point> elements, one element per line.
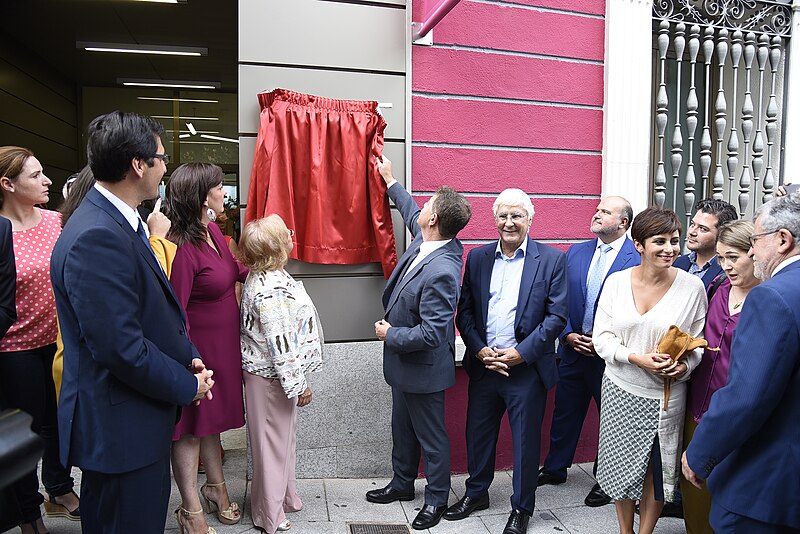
<point>204,281</point>
<point>712,372</point>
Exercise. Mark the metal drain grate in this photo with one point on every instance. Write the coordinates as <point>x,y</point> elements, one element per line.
<point>378,528</point>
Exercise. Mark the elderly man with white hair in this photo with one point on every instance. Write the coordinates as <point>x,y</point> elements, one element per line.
<point>512,309</point>
<point>747,443</point>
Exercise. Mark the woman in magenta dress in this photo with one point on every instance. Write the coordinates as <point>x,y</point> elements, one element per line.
<point>204,276</point>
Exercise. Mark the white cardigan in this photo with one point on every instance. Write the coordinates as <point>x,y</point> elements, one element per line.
<point>619,329</point>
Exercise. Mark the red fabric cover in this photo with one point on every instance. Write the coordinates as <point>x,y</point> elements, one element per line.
<point>314,166</point>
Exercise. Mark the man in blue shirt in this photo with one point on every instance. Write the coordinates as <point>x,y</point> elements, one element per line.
<point>513,306</point>
<point>701,239</point>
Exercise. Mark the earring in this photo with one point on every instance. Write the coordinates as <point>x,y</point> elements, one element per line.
<point>212,215</point>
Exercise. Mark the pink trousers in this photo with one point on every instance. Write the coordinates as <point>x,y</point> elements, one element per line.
<point>271,426</point>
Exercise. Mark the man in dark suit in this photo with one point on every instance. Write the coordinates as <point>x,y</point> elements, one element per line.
<point>581,370</point>
<point>701,239</point>
<point>419,344</point>
<point>8,278</point>
<point>128,363</point>
<point>513,307</point>
<point>747,444</point>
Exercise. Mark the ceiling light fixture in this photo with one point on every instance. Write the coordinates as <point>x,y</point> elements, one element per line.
<point>218,138</point>
<point>187,131</point>
<point>191,128</point>
<point>185,118</point>
<point>201,143</point>
<point>184,136</point>
<point>125,48</point>
<point>200,100</point>
<point>177,84</point>
<point>163,1</point>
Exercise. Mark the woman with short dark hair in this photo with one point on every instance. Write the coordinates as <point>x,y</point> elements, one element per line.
<point>640,441</point>
<point>204,276</point>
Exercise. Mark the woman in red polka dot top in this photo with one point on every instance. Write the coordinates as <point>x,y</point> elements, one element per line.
<point>27,349</point>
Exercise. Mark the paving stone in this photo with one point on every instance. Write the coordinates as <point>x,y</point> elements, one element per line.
<point>346,501</point>
<point>570,493</point>
<point>542,522</point>
<point>499,493</point>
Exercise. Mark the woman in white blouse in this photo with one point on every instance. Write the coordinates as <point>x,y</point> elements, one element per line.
<point>281,343</point>
<point>640,442</point>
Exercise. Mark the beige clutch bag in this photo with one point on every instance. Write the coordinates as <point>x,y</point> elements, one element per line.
<point>678,344</point>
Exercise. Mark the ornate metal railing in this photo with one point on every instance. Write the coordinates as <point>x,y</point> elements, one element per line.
<point>719,66</point>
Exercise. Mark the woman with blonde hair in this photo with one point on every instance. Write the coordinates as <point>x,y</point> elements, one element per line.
<point>282,342</point>
<point>27,349</point>
<point>727,296</point>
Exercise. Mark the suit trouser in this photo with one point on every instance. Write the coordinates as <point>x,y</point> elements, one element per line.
<point>135,501</point>
<point>524,396</point>
<point>724,521</point>
<point>418,421</point>
<point>26,382</point>
<point>579,382</point>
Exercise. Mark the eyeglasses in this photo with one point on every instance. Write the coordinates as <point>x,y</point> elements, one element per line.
<point>162,157</point>
<point>514,217</point>
<point>754,237</point>
<point>291,232</point>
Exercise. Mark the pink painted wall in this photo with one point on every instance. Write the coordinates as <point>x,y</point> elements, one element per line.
<point>511,96</point>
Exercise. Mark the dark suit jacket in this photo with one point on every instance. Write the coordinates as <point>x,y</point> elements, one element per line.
<point>541,307</point>
<point>126,353</point>
<point>579,257</point>
<point>748,442</point>
<point>8,278</point>
<point>683,263</point>
<point>419,351</point>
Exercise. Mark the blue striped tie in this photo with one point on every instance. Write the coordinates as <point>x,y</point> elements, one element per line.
<point>593,284</point>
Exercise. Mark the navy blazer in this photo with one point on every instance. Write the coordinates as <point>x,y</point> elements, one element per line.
<point>126,352</point>
<point>541,307</point>
<point>683,263</point>
<point>579,257</point>
<point>8,278</point>
<point>419,350</point>
<point>748,442</point>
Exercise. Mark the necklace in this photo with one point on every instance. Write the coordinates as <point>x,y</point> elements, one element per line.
<point>737,305</point>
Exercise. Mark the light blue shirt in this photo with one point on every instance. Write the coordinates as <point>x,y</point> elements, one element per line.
<point>503,297</point>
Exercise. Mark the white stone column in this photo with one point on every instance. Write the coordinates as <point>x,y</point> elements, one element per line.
<point>791,115</point>
<point>628,94</point>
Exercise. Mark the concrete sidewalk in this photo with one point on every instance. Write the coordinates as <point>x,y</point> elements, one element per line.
<point>330,504</point>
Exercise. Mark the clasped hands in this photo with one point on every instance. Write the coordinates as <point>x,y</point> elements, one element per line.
<point>500,360</point>
<point>204,381</point>
<point>658,364</point>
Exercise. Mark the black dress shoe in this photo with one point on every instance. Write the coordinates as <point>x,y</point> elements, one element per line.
<point>389,494</point>
<point>466,506</point>
<point>597,497</point>
<point>548,478</point>
<point>672,509</point>
<point>517,523</point>
<point>428,517</point>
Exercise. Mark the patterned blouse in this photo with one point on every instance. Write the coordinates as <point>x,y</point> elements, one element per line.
<point>36,303</point>
<point>281,335</point>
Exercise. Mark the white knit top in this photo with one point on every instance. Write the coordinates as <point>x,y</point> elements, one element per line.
<point>619,329</point>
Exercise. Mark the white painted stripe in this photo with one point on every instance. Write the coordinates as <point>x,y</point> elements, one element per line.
<point>510,148</point>
<point>539,8</point>
<point>485,50</point>
<point>447,96</point>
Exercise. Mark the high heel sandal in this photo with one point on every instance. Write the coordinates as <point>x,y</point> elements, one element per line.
<point>183,512</point>
<point>229,516</point>
<point>53,509</point>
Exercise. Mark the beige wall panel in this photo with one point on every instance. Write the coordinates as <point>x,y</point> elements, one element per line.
<point>348,307</point>
<point>329,34</point>
<point>35,119</point>
<point>388,88</point>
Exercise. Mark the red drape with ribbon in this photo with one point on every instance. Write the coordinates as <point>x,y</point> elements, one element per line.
<point>314,166</point>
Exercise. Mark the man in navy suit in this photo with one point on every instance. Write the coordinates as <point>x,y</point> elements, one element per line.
<point>513,307</point>
<point>581,370</point>
<point>418,337</point>
<point>701,239</point>
<point>748,443</point>
<point>128,363</point>
<point>8,278</point>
